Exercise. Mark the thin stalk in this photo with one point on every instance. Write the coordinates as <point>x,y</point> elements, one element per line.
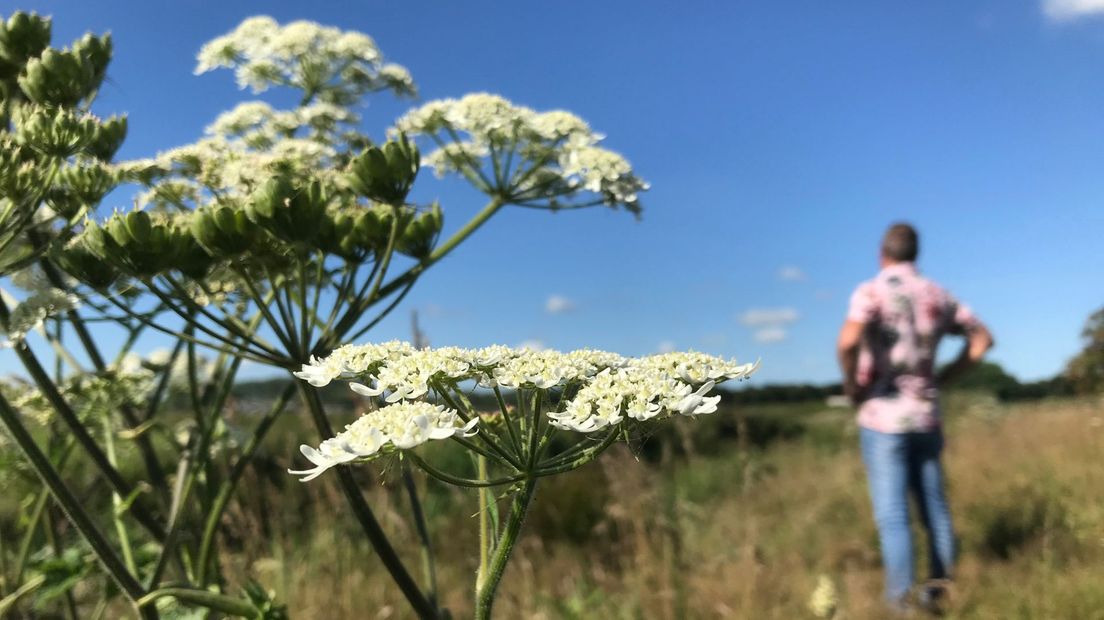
<point>193,308</point>
<point>226,489</point>
<point>80,433</point>
<point>117,501</point>
<point>507,419</point>
<point>10,600</point>
<point>228,346</point>
<point>447,478</point>
<point>534,430</point>
<point>203,598</point>
<point>490,443</point>
<point>486,536</point>
<point>551,469</point>
<point>163,382</point>
<point>519,508</point>
<point>383,313</point>
<point>365,301</point>
<point>429,569</point>
<point>36,515</point>
<point>286,330</point>
<point>50,527</point>
<point>71,506</point>
<point>445,248</point>
<point>145,448</point>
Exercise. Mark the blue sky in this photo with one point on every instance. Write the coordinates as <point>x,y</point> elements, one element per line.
<point>780,139</point>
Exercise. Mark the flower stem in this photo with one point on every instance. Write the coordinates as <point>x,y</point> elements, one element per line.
<point>487,586</point>
<point>72,507</point>
<point>226,490</point>
<point>429,568</point>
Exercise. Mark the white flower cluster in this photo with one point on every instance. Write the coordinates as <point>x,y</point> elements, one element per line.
<point>549,156</point>
<point>94,395</point>
<point>305,55</point>
<point>610,387</point>
<point>402,425</point>
<point>260,126</point>
<point>31,313</point>
<point>227,167</point>
<point>649,387</point>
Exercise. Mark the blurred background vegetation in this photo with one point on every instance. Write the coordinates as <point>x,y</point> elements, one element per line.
<point>742,514</point>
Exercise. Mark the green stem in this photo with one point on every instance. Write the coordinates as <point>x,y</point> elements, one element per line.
<point>228,486</point>
<point>70,504</point>
<point>117,501</point>
<point>145,448</point>
<point>50,527</point>
<point>80,433</point>
<point>448,478</point>
<point>507,420</point>
<point>10,600</point>
<point>443,250</point>
<point>202,598</point>
<point>488,585</point>
<point>486,536</point>
<point>429,569</point>
<point>36,516</point>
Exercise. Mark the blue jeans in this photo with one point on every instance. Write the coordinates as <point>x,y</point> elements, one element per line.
<point>895,464</point>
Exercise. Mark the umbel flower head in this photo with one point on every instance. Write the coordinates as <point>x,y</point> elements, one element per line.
<point>595,391</point>
<point>403,425</point>
<point>536,159</point>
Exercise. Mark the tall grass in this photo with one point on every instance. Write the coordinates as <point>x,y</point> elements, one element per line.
<point>694,523</point>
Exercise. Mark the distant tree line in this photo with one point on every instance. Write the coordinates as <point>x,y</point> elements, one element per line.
<point>1083,375</point>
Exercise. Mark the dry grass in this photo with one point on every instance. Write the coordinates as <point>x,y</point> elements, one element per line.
<point>732,535</point>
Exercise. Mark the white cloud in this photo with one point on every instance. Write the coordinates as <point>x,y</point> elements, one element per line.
<point>532,344</point>
<point>558,304</point>
<point>770,334</point>
<point>665,346</point>
<point>791,273</point>
<point>768,317</point>
<point>1067,10</point>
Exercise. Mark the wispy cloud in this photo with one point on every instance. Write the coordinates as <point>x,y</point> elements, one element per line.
<point>768,317</point>
<point>791,273</point>
<point>767,335</point>
<point>558,304</point>
<point>769,324</point>
<point>532,344</point>
<point>1068,10</point>
<point>665,346</point>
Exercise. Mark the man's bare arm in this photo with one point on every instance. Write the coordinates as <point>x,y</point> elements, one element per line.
<point>978,342</point>
<point>847,350</point>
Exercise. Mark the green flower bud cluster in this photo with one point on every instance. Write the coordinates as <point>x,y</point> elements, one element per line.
<point>385,174</point>
<point>55,132</point>
<point>67,77</point>
<point>107,138</point>
<point>80,261</point>
<point>353,232</point>
<point>225,232</point>
<point>20,177</point>
<point>419,237</point>
<point>22,37</point>
<point>145,246</point>
<point>80,187</point>
<point>292,214</point>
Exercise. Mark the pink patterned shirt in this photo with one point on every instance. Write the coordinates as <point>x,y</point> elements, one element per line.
<point>905,316</point>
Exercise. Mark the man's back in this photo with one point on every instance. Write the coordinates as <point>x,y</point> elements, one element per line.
<point>905,316</point>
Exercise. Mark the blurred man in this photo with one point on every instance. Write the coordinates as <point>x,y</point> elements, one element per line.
<point>887,353</point>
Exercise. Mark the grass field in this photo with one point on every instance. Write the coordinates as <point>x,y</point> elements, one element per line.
<point>700,523</point>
